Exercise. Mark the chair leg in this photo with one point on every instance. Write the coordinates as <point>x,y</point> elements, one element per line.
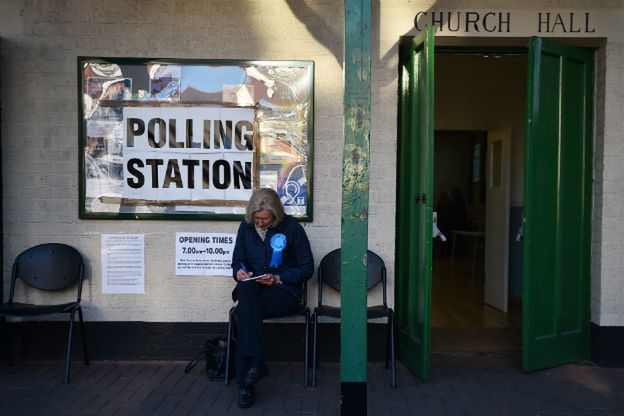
<point>388,341</point>
<point>84,337</point>
<point>393,379</point>
<point>314,325</point>
<point>6,337</point>
<point>306,358</point>
<point>228,350</point>
<point>69,346</point>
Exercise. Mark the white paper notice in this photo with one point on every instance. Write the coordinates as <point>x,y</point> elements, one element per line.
<point>204,254</point>
<point>123,263</point>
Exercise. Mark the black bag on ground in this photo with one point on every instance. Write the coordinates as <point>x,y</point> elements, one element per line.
<point>213,354</point>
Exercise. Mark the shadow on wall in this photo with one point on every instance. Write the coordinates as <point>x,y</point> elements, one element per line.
<point>319,28</point>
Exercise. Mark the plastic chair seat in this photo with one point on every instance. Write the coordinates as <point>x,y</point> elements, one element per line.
<point>29,309</point>
<point>326,310</point>
<point>379,311</point>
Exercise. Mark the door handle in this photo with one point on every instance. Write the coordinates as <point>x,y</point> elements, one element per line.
<point>421,198</point>
<point>520,233</point>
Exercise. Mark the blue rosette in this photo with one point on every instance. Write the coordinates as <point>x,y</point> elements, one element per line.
<point>278,243</point>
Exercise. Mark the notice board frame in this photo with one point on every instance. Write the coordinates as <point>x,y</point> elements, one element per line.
<point>276,96</point>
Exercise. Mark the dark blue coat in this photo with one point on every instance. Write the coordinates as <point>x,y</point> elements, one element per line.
<point>297,261</point>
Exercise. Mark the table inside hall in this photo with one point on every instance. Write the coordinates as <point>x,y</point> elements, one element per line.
<point>476,237</point>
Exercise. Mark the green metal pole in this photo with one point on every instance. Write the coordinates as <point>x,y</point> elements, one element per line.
<point>354,232</point>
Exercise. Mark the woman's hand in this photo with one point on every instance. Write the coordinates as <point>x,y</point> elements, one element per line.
<point>243,275</point>
<point>270,279</point>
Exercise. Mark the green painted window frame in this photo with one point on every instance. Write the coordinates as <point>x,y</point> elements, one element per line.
<point>125,97</point>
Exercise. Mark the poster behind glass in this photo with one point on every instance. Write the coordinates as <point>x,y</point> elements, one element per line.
<point>190,138</point>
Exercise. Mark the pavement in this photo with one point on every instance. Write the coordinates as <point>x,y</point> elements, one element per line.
<point>461,384</point>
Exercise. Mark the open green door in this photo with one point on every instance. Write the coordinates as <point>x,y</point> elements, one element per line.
<point>414,199</point>
<point>559,131</point>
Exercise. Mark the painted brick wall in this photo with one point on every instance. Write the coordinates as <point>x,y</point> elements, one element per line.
<point>608,244</point>
<point>40,148</point>
<point>607,266</point>
<point>40,128</point>
<point>41,152</point>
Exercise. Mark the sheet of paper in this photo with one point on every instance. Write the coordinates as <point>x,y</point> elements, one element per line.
<point>123,263</point>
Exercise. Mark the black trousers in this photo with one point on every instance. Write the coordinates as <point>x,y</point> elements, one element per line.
<point>255,303</point>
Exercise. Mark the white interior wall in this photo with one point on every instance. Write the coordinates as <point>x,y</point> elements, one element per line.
<point>484,93</point>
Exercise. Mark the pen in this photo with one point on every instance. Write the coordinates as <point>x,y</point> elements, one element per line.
<point>243,267</point>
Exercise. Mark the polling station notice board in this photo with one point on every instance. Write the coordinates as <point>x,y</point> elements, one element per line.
<point>192,139</point>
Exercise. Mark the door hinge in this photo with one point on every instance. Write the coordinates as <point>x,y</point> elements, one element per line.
<point>421,198</point>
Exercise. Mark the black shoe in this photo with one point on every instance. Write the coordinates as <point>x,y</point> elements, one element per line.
<point>255,374</point>
<point>245,396</point>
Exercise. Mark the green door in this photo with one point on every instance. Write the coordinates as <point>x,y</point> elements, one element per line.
<point>414,199</point>
<point>557,205</point>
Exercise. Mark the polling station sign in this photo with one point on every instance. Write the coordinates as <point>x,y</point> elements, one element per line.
<point>188,154</point>
<point>192,139</point>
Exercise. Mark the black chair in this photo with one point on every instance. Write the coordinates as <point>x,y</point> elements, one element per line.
<point>303,310</point>
<point>49,267</point>
<point>329,274</point>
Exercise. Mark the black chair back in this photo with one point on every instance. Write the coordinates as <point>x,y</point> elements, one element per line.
<point>50,266</point>
<point>329,274</point>
<point>330,267</point>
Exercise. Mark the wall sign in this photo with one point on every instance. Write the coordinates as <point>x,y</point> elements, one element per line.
<point>604,22</point>
<point>193,139</point>
<point>205,254</point>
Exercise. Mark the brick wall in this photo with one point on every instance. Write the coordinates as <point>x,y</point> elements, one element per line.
<point>40,148</point>
<point>608,227</point>
<point>40,131</point>
<point>1,193</point>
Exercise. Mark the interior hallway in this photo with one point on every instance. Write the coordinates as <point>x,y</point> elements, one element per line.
<point>460,321</point>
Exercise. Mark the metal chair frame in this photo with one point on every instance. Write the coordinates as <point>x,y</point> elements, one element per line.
<point>304,311</point>
<point>49,267</point>
<point>329,274</point>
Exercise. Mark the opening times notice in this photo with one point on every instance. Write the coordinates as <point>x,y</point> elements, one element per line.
<point>123,263</point>
<point>204,254</point>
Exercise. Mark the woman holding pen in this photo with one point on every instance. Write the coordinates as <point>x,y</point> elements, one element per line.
<point>272,258</point>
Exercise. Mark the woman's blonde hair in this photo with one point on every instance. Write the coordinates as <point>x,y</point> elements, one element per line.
<point>265,198</point>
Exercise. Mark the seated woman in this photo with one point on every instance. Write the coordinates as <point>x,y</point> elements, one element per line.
<point>275,247</point>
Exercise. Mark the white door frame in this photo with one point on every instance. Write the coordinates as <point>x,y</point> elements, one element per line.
<point>496,286</point>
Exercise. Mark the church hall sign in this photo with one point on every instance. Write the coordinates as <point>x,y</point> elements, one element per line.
<point>554,23</point>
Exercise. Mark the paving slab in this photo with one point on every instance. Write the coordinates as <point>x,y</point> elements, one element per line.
<point>460,385</point>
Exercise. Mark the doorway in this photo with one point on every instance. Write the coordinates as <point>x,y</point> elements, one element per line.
<point>555,200</point>
<point>477,94</point>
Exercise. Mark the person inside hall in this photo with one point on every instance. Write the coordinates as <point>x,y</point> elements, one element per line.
<point>274,246</point>
<point>457,215</point>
